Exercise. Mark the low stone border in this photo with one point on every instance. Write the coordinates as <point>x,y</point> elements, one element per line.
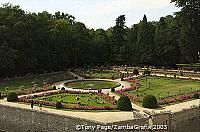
<point>70,81</point>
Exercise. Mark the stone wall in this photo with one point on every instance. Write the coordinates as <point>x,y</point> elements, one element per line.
<point>25,120</point>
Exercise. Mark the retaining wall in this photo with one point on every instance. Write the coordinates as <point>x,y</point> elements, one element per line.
<point>25,120</point>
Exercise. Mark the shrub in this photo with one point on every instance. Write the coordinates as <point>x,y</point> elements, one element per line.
<point>59,105</point>
<point>12,97</point>
<point>135,72</point>
<point>149,101</point>
<point>62,88</point>
<point>54,87</point>
<point>196,95</point>
<point>147,72</point>
<point>112,89</point>
<point>124,104</point>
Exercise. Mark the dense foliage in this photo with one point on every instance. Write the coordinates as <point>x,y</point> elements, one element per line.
<point>149,101</point>
<point>12,97</point>
<point>124,103</point>
<point>44,42</point>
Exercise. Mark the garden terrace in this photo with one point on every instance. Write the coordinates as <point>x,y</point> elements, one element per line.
<point>23,85</point>
<point>166,90</point>
<point>73,100</point>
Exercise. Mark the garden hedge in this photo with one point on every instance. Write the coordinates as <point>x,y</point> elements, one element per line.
<point>124,104</point>
<point>149,101</point>
<point>54,87</point>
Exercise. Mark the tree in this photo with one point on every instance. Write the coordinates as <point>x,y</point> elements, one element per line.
<point>190,29</point>
<point>145,41</point>
<point>119,45</point>
<point>166,45</point>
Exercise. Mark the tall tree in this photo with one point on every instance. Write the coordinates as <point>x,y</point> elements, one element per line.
<point>189,18</point>
<point>145,41</point>
<point>119,34</point>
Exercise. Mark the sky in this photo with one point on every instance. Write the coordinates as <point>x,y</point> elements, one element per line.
<point>101,13</point>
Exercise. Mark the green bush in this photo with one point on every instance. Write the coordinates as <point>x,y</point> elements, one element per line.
<point>62,88</point>
<point>54,87</point>
<point>112,89</point>
<point>124,103</point>
<point>149,101</point>
<point>12,97</point>
<point>196,95</point>
<point>135,72</point>
<point>59,105</point>
<point>147,72</point>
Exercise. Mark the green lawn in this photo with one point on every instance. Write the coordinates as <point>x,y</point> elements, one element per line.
<point>84,99</point>
<point>26,82</point>
<point>92,84</point>
<point>165,87</point>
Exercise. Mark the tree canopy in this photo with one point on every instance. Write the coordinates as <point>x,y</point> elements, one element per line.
<point>45,42</point>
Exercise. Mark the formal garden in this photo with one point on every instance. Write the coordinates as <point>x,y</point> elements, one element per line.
<point>32,83</point>
<point>66,99</point>
<point>144,90</point>
<point>164,90</point>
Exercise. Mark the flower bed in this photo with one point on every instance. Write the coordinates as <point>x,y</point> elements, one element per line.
<point>177,98</point>
<point>164,101</point>
<point>109,99</point>
<point>124,90</point>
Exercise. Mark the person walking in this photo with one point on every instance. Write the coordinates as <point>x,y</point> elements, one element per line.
<point>32,103</point>
<point>40,105</point>
<point>151,123</point>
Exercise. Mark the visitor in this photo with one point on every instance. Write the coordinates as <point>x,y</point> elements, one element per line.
<point>151,123</point>
<point>32,103</point>
<point>40,105</point>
